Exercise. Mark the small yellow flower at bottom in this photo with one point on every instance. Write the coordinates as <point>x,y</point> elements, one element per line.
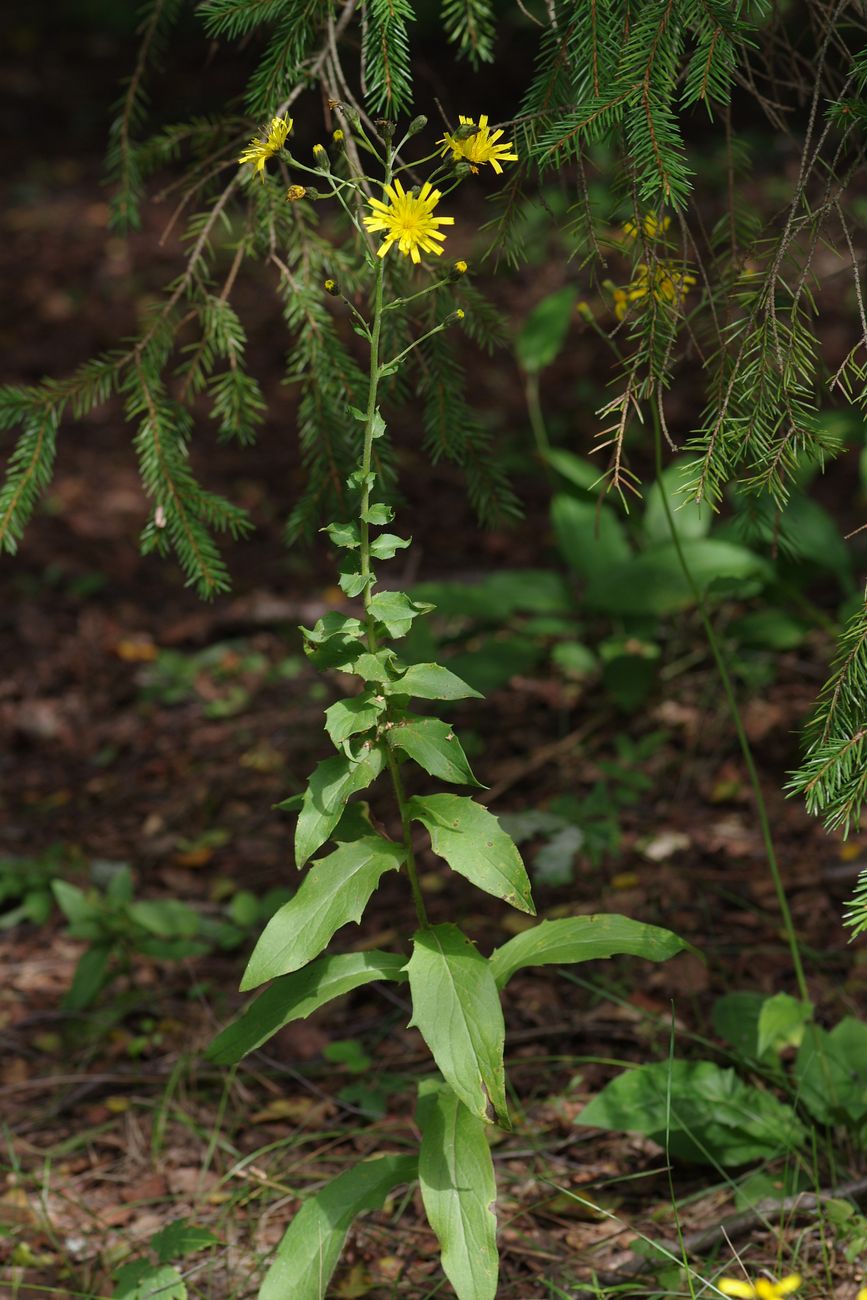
<point>762,1289</point>
<point>408,221</point>
<point>259,151</point>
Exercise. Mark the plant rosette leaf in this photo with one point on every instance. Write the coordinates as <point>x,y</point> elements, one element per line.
<point>296,996</point>
<point>458,1188</point>
<point>573,939</point>
<point>456,1008</point>
<point>782,1021</point>
<point>335,891</point>
<point>311,1246</point>
<point>330,786</point>
<point>474,844</point>
<point>433,682</point>
<point>653,583</point>
<point>434,746</point>
<point>697,1111</point>
<point>831,1072</point>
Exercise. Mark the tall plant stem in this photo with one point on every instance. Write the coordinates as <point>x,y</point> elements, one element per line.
<point>728,688</point>
<point>537,419</point>
<point>364,533</point>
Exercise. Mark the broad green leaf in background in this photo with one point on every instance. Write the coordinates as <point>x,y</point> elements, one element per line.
<point>582,938</point>
<point>334,891</point>
<point>434,746</point>
<point>782,1021</point>
<point>82,913</point>
<point>474,844</point>
<point>345,718</point>
<point>311,1245</point>
<point>296,996</point>
<point>495,598</point>
<point>544,331</point>
<point>691,518</point>
<point>697,1111</point>
<point>90,976</point>
<point>653,582</point>
<point>590,536</point>
<point>141,1280</point>
<point>456,1008</point>
<point>180,1238</point>
<point>578,471</point>
<point>433,682</point>
<point>456,1175</point>
<point>332,782</point>
<point>735,1017</point>
<point>831,1070</point>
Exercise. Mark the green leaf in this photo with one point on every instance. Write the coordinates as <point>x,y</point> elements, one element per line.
<point>710,1114</point>
<point>433,682</point>
<point>434,746</point>
<point>374,667</point>
<point>334,891</point>
<point>89,978</point>
<point>653,583</point>
<point>345,535</point>
<point>141,1280</point>
<point>378,514</point>
<point>296,996</point>
<point>458,1188</point>
<point>692,519</point>
<point>735,1017</point>
<point>544,331</point>
<point>395,611</point>
<point>474,844</point>
<point>331,784</point>
<point>74,903</point>
<point>591,537</point>
<point>168,918</point>
<point>180,1238</point>
<point>347,718</point>
<point>782,1021</point>
<point>831,1071</point>
<point>330,625</point>
<point>582,938</point>
<point>353,584</point>
<point>581,473</point>
<point>384,546</point>
<point>456,1008</point>
<point>311,1245</point>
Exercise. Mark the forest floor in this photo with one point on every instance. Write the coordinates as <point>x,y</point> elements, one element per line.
<point>142,727</point>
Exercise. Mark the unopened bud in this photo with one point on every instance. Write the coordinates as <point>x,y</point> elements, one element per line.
<point>332,287</point>
<point>386,128</point>
<point>585,311</point>
<point>458,269</point>
<point>455,316</point>
<point>416,125</point>
<point>337,136</point>
<point>296,192</point>
<point>466,131</point>
<point>351,115</point>
<point>320,157</point>
<point>463,168</point>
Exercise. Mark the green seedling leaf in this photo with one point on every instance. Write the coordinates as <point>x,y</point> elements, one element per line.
<point>180,1238</point>
<point>474,844</point>
<point>385,545</point>
<point>698,1112</point>
<point>349,1053</point>
<point>331,784</point>
<point>168,918</point>
<point>311,1245</point>
<point>544,331</point>
<point>344,535</point>
<point>653,582</point>
<point>90,976</point>
<point>458,1188</point>
<point>331,625</point>
<point>334,891</point>
<point>782,1021</point>
<point>583,938</point>
<point>590,536</point>
<point>378,514</point>
<point>433,682</point>
<point>347,718</point>
<point>75,905</point>
<point>296,996</point>
<point>692,518</point>
<point>395,611</point>
<point>555,860</point>
<point>141,1280</point>
<point>434,746</point>
<point>831,1071</point>
<point>456,1008</point>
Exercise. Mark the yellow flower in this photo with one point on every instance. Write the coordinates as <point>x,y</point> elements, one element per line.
<point>477,147</point>
<point>295,192</point>
<point>408,220</point>
<point>762,1290</point>
<point>259,151</point>
<point>650,224</point>
<point>665,281</point>
<point>337,136</point>
<point>461,267</point>
<point>621,303</point>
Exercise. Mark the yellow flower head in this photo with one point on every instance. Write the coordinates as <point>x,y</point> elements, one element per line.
<point>408,221</point>
<point>337,136</point>
<point>651,226</point>
<point>478,146</point>
<point>762,1290</point>
<point>259,151</point>
<point>295,192</point>
<point>461,267</point>
<point>666,281</point>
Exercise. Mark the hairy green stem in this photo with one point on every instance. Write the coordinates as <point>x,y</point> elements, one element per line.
<point>364,531</point>
<point>746,749</point>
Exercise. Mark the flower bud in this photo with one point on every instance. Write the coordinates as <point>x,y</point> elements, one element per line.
<point>416,125</point>
<point>351,115</point>
<point>465,132</point>
<point>585,311</point>
<point>320,157</point>
<point>332,287</point>
<point>455,316</point>
<point>338,137</point>
<point>458,269</point>
<point>296,192</point>
<point>385,127</point>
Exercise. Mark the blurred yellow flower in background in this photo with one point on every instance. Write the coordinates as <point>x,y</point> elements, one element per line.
<point>762,1289</point>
